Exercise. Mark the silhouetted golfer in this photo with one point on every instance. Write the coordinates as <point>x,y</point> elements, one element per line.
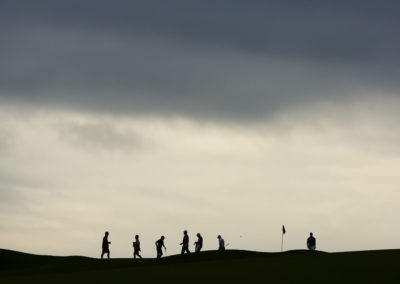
<point>136,247</point>
<point>199,244</point>
<point>221,243</point>
<point>159,245</point>
<point>311,242</point>
<point>185,243</point>
<point>105,246</point>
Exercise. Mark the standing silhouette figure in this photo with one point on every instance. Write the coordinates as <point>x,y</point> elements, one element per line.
<point>311,242</point>
<point>221,243</point>
<point>136,247</point>
<point>105,246</point>
<point>199,244</point>
<point>185,243</point>
<point>159,245</point>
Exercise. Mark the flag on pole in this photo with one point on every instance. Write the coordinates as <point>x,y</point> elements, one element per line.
<point>283,229</point>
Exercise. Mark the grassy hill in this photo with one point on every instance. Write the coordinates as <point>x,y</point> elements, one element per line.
<point>232,266</point>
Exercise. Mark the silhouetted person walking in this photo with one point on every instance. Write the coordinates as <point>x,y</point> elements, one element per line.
<point>105,247</point>
<point>311,242</point>
<point>159,245</point>
<point>199,244</point>
<point>136,247</point>
<point>185,243</point>
<point>221,243</point>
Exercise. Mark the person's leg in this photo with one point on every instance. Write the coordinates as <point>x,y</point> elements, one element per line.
<point>185,248</point>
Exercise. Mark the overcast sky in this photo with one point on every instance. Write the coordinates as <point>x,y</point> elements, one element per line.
<point>220,117</point>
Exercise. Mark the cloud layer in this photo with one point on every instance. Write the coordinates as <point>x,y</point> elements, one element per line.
<point>226,61</point>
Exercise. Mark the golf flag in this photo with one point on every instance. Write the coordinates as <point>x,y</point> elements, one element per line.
<point>283,229</point>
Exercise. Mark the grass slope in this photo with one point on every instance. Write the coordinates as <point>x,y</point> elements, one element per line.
<point>232,266</point>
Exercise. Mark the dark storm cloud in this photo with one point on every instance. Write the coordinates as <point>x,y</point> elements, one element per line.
<point>224,59</point>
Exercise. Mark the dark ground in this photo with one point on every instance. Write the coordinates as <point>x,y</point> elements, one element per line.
<point>232,266</point>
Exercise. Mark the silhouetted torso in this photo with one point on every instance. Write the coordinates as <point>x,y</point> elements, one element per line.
<point>311,242</point>
<point>185,241</point>
<point>136,245</point>
<point>160,243</point>
<point>221,244</point>
<point>105,243</point>
<point>199,243</point>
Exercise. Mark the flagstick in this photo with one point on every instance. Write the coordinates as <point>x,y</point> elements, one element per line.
<point>282,243</point>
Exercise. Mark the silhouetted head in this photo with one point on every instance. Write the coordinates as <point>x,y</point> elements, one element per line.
<point>106,233</point>
<point>162,237</point>
<point>311,234</point>
<point>198,234</point>
<point>137,236</point>
<point>218,237</point>
<point>185,232</point>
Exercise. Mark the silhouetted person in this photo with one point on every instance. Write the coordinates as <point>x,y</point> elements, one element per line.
<point>311,242</point>
<point>221,243</point>
<point>136,247</point>
<point>185,243</point>
<point>105,247</point>
<point>159,245</point>
<point>199,244</point>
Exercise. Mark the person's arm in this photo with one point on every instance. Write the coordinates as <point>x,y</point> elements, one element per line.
<point>164,247</point>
